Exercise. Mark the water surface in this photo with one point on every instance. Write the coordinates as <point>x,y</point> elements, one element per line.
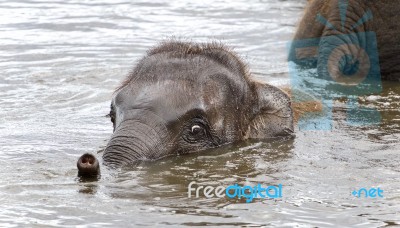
<point>60,62</point>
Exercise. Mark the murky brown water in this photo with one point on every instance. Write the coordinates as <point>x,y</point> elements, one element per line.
<point>61,60</point>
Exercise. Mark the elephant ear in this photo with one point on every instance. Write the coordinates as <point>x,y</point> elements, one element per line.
<point>273,115</point>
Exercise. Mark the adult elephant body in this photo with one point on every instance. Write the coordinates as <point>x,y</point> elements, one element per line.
<point>338,18</point>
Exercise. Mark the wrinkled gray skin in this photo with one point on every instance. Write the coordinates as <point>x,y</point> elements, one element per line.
<point>187,97</point>
<point>385,23</point>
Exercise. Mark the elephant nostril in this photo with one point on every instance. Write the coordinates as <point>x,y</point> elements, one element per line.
<point>88,165</point>
<point>87,160</point>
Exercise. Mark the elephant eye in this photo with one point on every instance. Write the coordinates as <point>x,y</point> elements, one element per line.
<point>111,115</point>
<point>196,129</point>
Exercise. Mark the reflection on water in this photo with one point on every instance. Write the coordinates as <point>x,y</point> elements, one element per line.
<point>60,63</point>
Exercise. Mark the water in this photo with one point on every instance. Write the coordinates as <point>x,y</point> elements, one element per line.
<point>60,62</point>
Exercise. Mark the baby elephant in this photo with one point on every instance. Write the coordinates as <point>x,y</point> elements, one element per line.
<point>185,97</point>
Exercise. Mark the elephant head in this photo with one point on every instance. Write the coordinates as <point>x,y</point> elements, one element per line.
<point>186,97</point>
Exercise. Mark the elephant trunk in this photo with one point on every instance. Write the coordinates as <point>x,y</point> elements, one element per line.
<point>135,140</point>
<point>344,58</point>
<point>88,166</point>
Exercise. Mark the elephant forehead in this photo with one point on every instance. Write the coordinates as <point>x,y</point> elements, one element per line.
<point>171,99</point>
<point>169,93</point>
<point>182,92</point>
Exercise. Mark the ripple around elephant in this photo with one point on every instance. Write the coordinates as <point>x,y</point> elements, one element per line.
<point>363,22</point>
<point>185,97</point>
